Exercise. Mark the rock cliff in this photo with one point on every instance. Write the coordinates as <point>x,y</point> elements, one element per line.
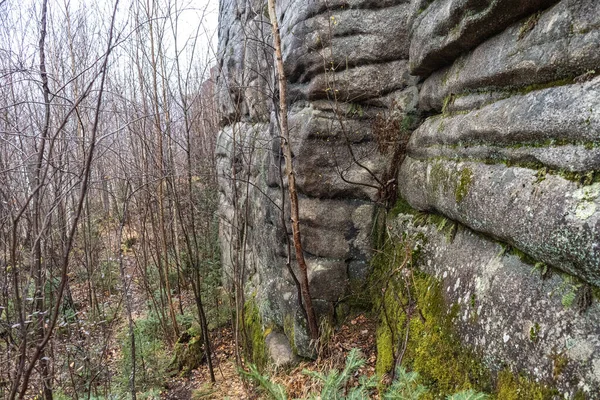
<point>476,122</point>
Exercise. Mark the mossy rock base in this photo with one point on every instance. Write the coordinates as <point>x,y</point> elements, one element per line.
<point>188,352</point>
<point>255,347</point>
<point>481,317</point>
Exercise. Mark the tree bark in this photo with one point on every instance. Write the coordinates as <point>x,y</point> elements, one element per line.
<point>287,152</point>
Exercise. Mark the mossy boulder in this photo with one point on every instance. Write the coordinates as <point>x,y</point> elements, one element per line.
<point>431,347</point>
<point>188,352</point>
<point>255,347</point>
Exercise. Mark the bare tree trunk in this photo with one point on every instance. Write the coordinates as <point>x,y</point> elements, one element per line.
<point>37,229</point>
<point>162,178</point>
<point>24,381</point>
<point>125,284</point>
<point>287,152</point>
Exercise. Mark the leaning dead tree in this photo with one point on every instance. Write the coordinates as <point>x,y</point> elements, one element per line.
<point>289,168</point>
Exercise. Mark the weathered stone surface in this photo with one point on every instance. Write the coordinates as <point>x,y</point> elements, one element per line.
<point>319,36</point>
<point>514,87</point>
<point>557,127</point>
<point>280,350</point>
<point>444,29</point>
<point>554,220</point>
<point>245,59</point>
<point>327,169</point>
<point>559,43</point>
<point>356,84</point>
<point>336,216</point>
<point>507,312</point>
<point>336,230</point>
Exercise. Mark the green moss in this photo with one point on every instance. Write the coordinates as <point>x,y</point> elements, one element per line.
<point>433,349</point>
<point>385,350</point>
<point>288,329</point>
<point>447,101</point>
<point>524,257</point>
<point>588,145</point>
<point>596,292</point>
<point>516,90</point>
<point>441,126</point>
<point>445,179</point>
<point>534,333</point>
<point>540,175</point>
<point>255,348</point>
<point>518,387</point>
<point>439,175</point>
<point>462,189</point>
<point>442,223</point>
<point>546,85</point>
<point>445,77</point>
<point>402,207</point>
<point>188,351</point>
<point>528,25</point>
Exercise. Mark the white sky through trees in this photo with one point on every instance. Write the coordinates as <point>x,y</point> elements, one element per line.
<point>19,28</point>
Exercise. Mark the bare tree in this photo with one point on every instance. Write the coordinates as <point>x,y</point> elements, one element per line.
<point>27,362</point>
<point>286,148</point>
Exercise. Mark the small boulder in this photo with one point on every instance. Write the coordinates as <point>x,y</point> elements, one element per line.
<point>280,350</point>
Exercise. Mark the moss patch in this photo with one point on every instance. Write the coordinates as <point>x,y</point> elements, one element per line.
<point>402,207</point>
<point>440,175</point>
<point>288,329</point>
<point>256,349</point>
<point>546,85</point>
<point>517,387</point>
<point>433,349</point>
<point>446,179</point>
<point>188,351</point>
<point>462,189</point>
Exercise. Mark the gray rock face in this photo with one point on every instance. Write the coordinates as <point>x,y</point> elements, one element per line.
<point>503,101</point>
<point>341,35</point>
<point>553,220</point>
<point>557,128</point>
<point>337,158</point>
<point>444,29</point>
<point>521,321</point>
<point>280,350</point>
<point>322,140</point>
<point>510,150</point>
<point>555,44</point>
<point>243,64</point>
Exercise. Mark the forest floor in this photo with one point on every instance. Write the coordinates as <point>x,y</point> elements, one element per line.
<point>357,332</point>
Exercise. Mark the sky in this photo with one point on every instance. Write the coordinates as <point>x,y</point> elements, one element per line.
<point>20,33</point>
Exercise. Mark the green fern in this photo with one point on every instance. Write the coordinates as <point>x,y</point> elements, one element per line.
<point>364,388</point>
<point>468,395</point>
<point>335,381</point>
<point>274,390</point>
<point>405,387</point>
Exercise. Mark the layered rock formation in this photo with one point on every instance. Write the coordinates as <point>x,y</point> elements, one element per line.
<point>501,101</point>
